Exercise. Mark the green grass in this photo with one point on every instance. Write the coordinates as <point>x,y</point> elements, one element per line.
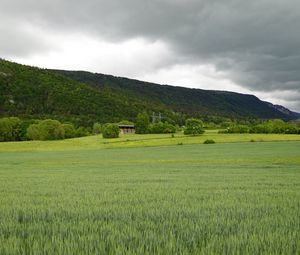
<point>230,198</point>
<point>149,140</point>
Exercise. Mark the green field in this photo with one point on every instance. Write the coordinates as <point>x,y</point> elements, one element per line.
<point>95,196</point>
<point>133,141</point>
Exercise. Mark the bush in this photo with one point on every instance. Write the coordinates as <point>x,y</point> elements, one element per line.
<point>193,127</point>
<point>275,127</point>
<point>10,129</point>
<point>24,126</point>
<point>46,130</point>
<point>290,129</point>
<point>97,128</point>
<point>110,131</point>
<point>81,132</point>
<point>169,128</point>
<point>260,129</point>
<point>226,124</point>
<point>209,141</point>
<point>33,132</point>
<point>162,128</point>
<point>142,123</point>
<point>70,131</point>
<point>241,129</point>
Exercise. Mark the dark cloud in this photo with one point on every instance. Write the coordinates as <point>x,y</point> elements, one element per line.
<point>19,38</point>
<point>256,43</point>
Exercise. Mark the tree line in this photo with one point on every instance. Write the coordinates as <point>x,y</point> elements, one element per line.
<point>275,126</point>
<point>15,129</point>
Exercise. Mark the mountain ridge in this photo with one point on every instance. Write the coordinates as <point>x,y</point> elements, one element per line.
<point>130,85</point>
<point>83,98</point>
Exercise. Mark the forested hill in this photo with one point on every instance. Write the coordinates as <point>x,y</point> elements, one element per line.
<point>193,102</point>
<point>29,92</point>
<point>84,98</point>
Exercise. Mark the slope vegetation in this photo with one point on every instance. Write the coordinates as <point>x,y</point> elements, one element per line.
<point>84,98</point>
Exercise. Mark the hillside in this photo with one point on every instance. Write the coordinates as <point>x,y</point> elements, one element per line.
<point>193,102</point>
<point>30,92</point>
<point>83,98</point>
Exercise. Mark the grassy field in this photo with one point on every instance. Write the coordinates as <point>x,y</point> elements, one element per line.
<point>132,141</point>
<point>75,197</point>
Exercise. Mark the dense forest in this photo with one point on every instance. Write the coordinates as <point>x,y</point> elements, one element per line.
<point>28,92</point>
<point>192,102</point>
<point>84,98</point>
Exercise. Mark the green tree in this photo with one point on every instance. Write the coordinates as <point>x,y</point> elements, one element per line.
<point>226,124</point>
<point>193,127</point>
<point>81,132</point>
<point>52,130</point>
<point>110,131</point>
<point>24,126</point>
<point>241,129</point>
<point>162,128</point>
<point>142,123</point>
<point>10,129</point>
<point>97,128</point>
<point>46,130</point>
<point>70,131</point>
<point>276,126</point>
<point>33,132</point>
<point>290,129</point>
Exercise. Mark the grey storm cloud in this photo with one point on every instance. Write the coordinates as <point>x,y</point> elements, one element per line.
<point>256,43</point>
<point>19,38</point>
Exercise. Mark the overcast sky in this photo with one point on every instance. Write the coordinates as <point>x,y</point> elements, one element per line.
<point>243,46</point>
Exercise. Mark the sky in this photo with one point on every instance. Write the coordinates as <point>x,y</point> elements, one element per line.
<point>243,46</point>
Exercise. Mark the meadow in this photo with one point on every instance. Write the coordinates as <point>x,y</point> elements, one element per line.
<point>134,141</point>
<point>149,195</point>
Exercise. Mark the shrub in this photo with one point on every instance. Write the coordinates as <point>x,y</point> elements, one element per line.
<point>241,129</point>
<point>52,130</point>
<point>110,131</point>
<point>260,129</point>
<point>70,131</point>
<point>10,129</point>
<point>193,127</point>
<point>290,129</point>
<point>162,128</point>
<point>46,130</point>
<point>97,128</point>
<point>142,123</point>
<point>226,124</point>
<point>169,128</point>
<point>276,127</point>
<point>33,132</point>
<point>24,126</point>
<point>81,131</point>
<point>209,141</point>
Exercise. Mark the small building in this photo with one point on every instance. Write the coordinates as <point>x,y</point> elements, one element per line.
<point>127,129</point>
